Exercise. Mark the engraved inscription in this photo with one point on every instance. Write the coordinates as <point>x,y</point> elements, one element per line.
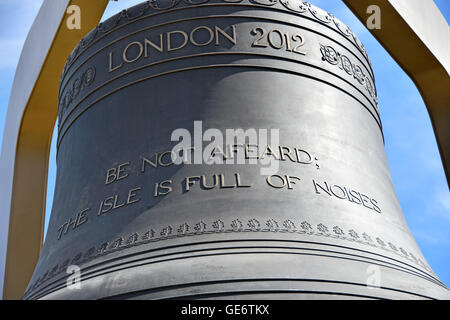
<point>229,152</point>
<point>79,219</point>
<point>301,8</point>
<point>170,41</point>
<point>219,181</point>
<point>162,188</point>
<point>278,181</point>
<point>278,39</point>
<point>118,201</point>
<point>118,173</point>
<point>344,193</point>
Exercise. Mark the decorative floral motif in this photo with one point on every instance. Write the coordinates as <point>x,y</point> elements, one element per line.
<point>183,229</point>
<point>167,231</point>
<point>322,228</point>
<point>200,227</point>
<point>289,225</point>
<point>358,74</point>
<point>342,28</point>
<point>346,64</point>
<point>367,237</point>
<point>420,262</point>
<point>381,242</point>
<point>320,15</point>
<point>272,225</point>
<point>353,234</point>
<point>148,235</point>
<point>103,247</point>
<point>330,55</point>
<point>265,2</point>
<point>132,238</point>
<point>392,246</point>
<point>254,224</point>
<point>296,5</point>
<point>117,243</point>
<point>236,225</point>
<point>306,226</point>
<point>219,226</point>
<point>164,4</point>
<point>338,231</point>
<point>413,257</point>
<point>403,251</point>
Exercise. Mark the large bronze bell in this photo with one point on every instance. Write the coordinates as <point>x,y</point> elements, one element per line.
<point>160,195</point>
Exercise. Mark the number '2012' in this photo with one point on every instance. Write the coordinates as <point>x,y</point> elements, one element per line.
<point>278,40</point>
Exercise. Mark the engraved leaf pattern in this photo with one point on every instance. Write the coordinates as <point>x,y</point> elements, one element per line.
<point>380,242</point>
<point>367,237</point>
<point>353,234</point>
<point>254,224</point>
<point>322,228</point>
<point>338,231</point>
<point>272,224</point>
<point>200,228</point>
<point>167,231</point>
<point>289,225</point>
<point>183,229</point>
<point>218,225</point>
<point>306,226</point>
<point>149,234</point>
<point>236,225</point>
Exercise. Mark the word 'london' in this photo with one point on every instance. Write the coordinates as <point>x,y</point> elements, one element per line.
<point>172,41</point>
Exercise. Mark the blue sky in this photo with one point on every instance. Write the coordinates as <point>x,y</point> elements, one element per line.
<point>411,148</point>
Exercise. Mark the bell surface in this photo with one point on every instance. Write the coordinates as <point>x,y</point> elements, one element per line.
<point>224,149</point>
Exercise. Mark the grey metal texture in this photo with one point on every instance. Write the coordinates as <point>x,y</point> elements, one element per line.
<point>237,233</point>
